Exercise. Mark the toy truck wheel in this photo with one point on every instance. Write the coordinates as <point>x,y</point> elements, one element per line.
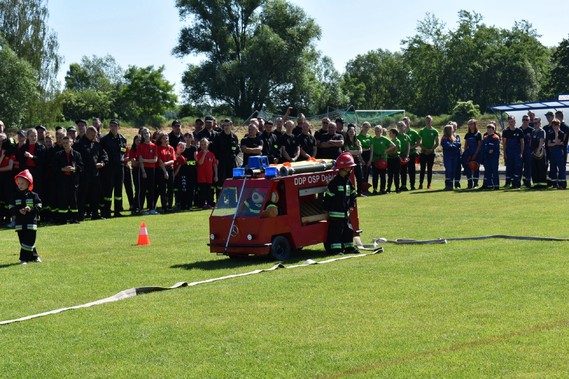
<point>280,248</point>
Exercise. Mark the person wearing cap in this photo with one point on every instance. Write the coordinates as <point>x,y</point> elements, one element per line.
<point>429,142</point>
<point>41,134</point>
<point>491,158</point>
<point>271,144</point>
<point>72,132</point>
<point>112,175</point>
<point>339,200</point>
<point>176,136</point>
<point>94,159</point>
<point>198,127</point>
<point>208,132</point>
<point>513,143</point>
<point>538,159</point>
<point>82,128</point>
<point>225,147</point>
<point>555,142</point>
<point>25,207</point>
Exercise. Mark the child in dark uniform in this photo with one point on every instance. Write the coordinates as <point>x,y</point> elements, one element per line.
<point>26,206</point>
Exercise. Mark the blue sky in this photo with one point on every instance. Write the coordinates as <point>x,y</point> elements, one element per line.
<point>144,32</point>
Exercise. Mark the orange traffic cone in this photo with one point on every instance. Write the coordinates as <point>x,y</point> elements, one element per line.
<point>143,235</point>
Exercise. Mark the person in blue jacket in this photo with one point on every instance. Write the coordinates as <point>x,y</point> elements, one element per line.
<point>555,142</point>
<point>527,131</point>
<point>513,141</point>
<point>472,152</point>
<point>491,154</point>
<point>451,154</point>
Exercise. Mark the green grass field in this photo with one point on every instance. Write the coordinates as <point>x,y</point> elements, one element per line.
<point>492,308</point>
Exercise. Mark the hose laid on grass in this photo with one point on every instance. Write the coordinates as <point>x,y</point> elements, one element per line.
<point>404,241</point>
<point>132,292</point>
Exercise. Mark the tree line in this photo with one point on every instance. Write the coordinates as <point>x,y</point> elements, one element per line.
<point>261,54</point>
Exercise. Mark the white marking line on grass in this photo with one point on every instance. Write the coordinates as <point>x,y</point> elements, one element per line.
<point>132,292</point>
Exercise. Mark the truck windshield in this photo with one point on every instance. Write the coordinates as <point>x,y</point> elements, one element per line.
<point>252,201</point>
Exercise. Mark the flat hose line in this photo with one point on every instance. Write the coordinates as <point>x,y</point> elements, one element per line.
<point>404,241</point>
<point>132,292</point>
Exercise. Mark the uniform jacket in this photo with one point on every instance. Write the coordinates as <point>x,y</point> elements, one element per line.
<point>91,154</point>
<point>340,197</point>
<point>22,199</point>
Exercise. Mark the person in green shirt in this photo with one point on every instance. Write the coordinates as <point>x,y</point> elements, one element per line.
<point>380,147</point>
<point>365,141</point>
<point>414,143</point>
<point>429,142</point>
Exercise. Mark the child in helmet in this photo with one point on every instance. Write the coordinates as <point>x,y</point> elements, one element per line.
<point>26,206</point>
<point>339,199</point>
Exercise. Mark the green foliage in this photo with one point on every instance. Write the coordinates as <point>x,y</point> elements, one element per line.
<point>95,73</point>
<point>559,76</point>
<point>86,103</point>
<point>257,53</point>
<point>145,96</point>
<point>465,110</point>
<point>18,86</point>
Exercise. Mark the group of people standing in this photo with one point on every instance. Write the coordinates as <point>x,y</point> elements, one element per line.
<point>528,152</point>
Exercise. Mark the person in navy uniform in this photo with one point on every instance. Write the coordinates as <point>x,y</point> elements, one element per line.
<point>491,154</point>
<point>472,149</point>
<point>451,155</point>
<point>539,164</point>
<point>25,207</point>
<point>555,142</point>
<point>513,141</point>
<point>527,155</point>
<point>339,199</point>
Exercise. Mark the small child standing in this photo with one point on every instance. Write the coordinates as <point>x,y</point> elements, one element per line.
<point>207,174</point>
<point>26,207</point>
<point>339,199</point>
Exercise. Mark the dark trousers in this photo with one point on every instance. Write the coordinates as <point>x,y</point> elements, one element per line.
<point>491,175</point>
<point>375,173</point>
<point>340,235</point>
<point>113,180</point>
<point>89,195</point>
<point>426,162</point>
<point>365,168</point>
<point>186,184</point>
<point>513,168</point>
<point>166,187</point>
<point>67,199</point>
<point>526,169</point>
<point>412,169</point>
<point>28,250</point>
<point>146,188</point>
<point>205,194</point>
<point>393,169</point>
<point>539,172</point>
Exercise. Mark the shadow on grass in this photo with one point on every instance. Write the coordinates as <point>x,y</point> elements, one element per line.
<point>227,262</point>
<point>9,265</point>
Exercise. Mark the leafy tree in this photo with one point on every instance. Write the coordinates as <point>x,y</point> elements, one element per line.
<point>378,80</point>
<point>257,52</point>
<point>18,87</point>
<point>95,73</point>
<point>86,103</point>
<point>558,81</point>
<point>465,110</point>
<point>145,95</point>
<point>24,26</point>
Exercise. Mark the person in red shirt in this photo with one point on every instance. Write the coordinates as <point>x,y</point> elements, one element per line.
<point>135,164</point>
<point>147,156</point>
<point>207,174</point>
<point>165,171</point>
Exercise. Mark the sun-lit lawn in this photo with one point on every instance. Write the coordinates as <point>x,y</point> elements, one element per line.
<point>492,308</point>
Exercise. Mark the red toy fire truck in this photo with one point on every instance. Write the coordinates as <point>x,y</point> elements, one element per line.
<point>273,209</point>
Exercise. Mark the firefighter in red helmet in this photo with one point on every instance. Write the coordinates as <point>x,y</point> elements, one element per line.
<point>339,199</point>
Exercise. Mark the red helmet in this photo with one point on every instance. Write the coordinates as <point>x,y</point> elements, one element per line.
<point>381,164</point>
<point>25,175</point>
<point>474,166</point>
<point>404,161</point>
<point>345,160</point>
